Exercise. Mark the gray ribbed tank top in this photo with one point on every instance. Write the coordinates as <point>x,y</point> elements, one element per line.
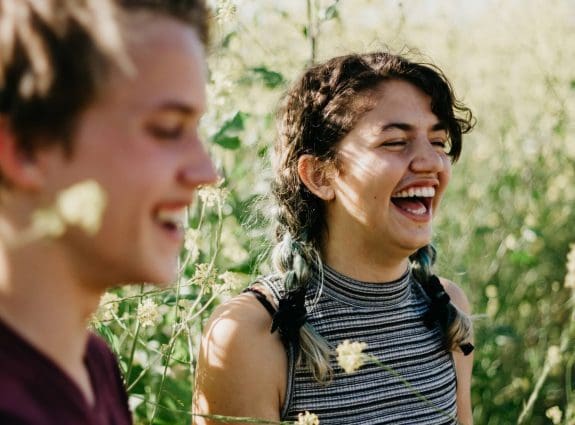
<point>388,317</point>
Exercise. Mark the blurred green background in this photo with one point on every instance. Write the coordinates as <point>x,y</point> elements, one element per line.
<point>505,227</point>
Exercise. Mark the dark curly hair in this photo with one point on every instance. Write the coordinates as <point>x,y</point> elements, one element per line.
<point>318,111</point>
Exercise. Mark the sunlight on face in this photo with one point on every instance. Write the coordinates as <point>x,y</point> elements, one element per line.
<point>393,171</point>
<point>139,141</point>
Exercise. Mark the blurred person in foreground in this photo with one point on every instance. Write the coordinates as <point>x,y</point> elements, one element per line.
<point>99,99</point>
<point>364,154</point>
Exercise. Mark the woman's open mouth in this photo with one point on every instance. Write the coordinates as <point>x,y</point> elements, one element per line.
<point>415,201</point>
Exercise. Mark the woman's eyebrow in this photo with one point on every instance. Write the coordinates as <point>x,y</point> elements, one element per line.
<point>439,126</point>
<point>408,127</point>
<point>397,126</point>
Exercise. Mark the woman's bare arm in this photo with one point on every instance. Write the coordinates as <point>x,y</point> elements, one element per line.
<point>242,367</point>
<point>463,364</point>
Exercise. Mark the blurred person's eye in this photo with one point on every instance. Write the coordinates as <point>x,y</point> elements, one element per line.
<point>168,126</point>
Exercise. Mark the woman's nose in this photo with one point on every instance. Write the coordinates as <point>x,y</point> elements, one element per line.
<point>427,158</point>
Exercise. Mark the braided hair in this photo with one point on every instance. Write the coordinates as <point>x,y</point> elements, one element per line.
<point>318,111</point>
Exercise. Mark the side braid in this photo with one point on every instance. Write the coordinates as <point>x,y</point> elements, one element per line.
<point>293,259</point>
<point>455,325</point>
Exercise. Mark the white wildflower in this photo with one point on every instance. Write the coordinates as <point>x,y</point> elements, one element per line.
<point>226,11</point>
<point>185,304</point>
<point>528,235</point>
<point>510,243</point>
<point>232,281</point>
<point>350,355</point>
<point>554,355</point>
<point>555,414</point>
<point>47,223</point>
<point>82,205</point>
<point>109,303</point>
<point>307,419</point>
<point>219,90</point>
<point>191,244</point>
<point>231,247</point>
<point>205,274</point>
<point>213,194</point>
<point>570,276</point>
<point>491,291</point>
<point>148,313</point>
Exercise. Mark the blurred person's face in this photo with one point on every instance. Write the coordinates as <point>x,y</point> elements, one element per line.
<point>140,142</point>
<point>392,172</point>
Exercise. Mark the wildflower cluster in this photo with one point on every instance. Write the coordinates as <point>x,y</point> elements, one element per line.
<point>81,205</point>
<point>555,414</point>
<point>231,281</point>
<point>205,274</point>
<point>307,418</point>
<point>570,275</point>
<point>191,244</point>
<point>350,355</point>
<point>212,195</point>
<point>109,303</point>
<point>226,11</point>
<point>148,314</point>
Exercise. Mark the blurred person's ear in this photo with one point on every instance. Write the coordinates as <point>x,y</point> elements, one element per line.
<point>314,174</point>
<point>19,170</point>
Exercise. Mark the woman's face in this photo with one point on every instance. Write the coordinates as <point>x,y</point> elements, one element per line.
<point>140,142</point>
<point>392,173</point>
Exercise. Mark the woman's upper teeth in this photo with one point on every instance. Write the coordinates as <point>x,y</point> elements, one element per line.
<point>420,192</point>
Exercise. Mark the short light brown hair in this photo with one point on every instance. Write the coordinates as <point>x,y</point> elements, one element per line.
<point>55,55</point>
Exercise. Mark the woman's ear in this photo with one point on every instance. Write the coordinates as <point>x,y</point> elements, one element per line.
<point>316,175</point>
<point>19,170</point>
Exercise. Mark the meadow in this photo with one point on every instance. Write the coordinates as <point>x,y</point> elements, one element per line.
<point>505,228</point>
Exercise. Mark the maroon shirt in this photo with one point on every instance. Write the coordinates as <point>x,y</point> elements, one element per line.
<point>35,391</point>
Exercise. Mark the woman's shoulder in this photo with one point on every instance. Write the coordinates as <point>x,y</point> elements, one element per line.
<point>240,361</point>
<point>241,321</point>
<point>456,294</point>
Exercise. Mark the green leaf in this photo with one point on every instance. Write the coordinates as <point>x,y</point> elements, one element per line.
<point>110,337</point>
<point>226,142</point>
<point>227,136</point>
<point>228,38</point>
<point>236,123</point>
<point>522,258</point>
<point>271,79</point>
<point>331,12</point>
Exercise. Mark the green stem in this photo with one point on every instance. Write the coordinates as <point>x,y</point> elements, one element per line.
<point>175,332</point>
<point>413,390</point>
<point>132,352</point>
<point>311,31</point>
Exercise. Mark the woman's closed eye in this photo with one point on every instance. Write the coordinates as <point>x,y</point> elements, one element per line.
<point>441,144</point>
<point>394,143</point>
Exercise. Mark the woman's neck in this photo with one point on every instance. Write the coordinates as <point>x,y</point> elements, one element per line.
<point>364,266</point>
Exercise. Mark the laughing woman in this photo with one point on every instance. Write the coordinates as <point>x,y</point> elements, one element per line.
<point>363,159</point>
